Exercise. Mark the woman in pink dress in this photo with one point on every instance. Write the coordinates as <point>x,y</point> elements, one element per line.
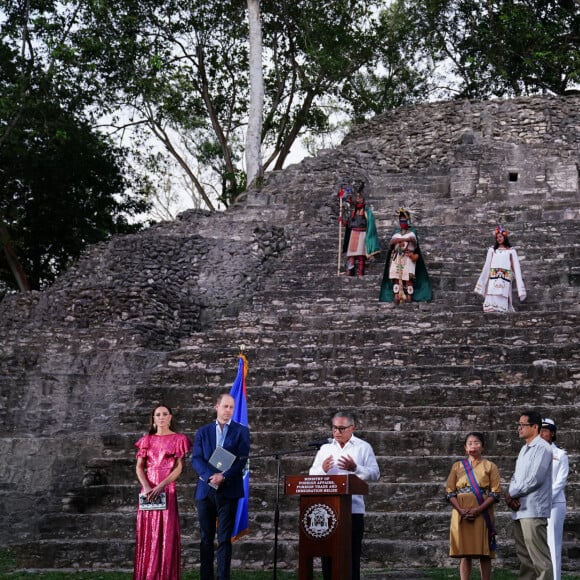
<point>159,464</point>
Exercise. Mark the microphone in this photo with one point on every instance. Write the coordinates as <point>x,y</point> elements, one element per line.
<point>320,442</point>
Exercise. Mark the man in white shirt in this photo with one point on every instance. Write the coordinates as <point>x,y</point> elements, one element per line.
<point>347,454</point>
<point>560,468</point>
<point>530,499</point>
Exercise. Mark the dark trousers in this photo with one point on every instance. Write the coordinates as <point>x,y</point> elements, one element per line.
<point>213,507</point>
<point>358,529</point>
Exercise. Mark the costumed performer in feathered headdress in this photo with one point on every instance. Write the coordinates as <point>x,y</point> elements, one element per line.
<point>361,242</point>
<point>405,278</point>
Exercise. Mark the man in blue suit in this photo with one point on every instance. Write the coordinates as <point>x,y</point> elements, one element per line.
<point>217,492</point>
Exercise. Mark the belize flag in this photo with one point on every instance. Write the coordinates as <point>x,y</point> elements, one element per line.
<point>238,392</point>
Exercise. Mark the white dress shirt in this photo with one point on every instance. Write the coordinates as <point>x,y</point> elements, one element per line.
<point>560,469</point>
<point>363,455</point>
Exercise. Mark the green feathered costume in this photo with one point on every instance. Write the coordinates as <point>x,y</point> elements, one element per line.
<point>372,243</point>
<point>422,291</point>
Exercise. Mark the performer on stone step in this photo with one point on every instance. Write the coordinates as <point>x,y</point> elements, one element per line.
<point>347,454</point>
<point>361,240</point>
<point>405,278</point>
<point>472,488</point>
<point>219,490</point>
<point>501,268</point>
<point>159,465</point>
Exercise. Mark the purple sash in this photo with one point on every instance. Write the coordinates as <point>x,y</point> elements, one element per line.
<point>480,499</point>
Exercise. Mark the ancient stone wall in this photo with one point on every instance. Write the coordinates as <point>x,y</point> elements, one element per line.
<point>158,285</point>
<point>416,138</point>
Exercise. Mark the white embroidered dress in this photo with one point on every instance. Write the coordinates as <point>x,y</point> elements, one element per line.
<point>402,267</point>
<point>501,268</point>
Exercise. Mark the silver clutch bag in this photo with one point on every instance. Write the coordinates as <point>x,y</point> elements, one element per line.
<point>158,504</point>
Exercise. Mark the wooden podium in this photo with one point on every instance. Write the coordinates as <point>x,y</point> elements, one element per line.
<point>325,520</point>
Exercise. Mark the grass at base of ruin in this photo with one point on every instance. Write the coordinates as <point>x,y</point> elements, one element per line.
<point>8,571</point>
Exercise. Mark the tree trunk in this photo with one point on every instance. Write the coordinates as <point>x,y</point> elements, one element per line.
<point>12,259</point>
<point>254,167</point>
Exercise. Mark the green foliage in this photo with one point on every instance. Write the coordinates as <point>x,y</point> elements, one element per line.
<point>401,73</point>
<point>502,47</point>
<point>496,574</point>
<point>177,68</point>
<point>7,562</point>
<point>314,49</point>
<point>182,67</point>
<point>61,189</point>
<point>62,186</point>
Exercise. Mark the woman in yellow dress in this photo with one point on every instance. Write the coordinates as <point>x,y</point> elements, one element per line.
<point>472,531</point>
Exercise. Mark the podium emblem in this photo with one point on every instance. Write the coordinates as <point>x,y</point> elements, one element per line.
<point>319,521</point>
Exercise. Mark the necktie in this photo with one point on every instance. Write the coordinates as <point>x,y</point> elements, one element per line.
<point>222,436</point>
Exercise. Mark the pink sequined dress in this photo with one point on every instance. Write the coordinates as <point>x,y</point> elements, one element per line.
<point>158,543</point>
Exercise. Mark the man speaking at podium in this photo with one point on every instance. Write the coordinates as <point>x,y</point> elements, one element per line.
<point>345,454</point>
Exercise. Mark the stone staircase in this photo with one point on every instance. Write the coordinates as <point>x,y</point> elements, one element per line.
<point>418,376</point>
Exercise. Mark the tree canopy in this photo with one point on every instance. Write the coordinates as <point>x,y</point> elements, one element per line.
<point>500,48</point>
<point>63,185</point>
<point>175,74</point>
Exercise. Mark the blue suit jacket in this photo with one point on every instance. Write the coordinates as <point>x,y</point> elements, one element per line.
<point>237,441</point>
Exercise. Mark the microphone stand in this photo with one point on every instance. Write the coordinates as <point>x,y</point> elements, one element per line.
<point>278,456</point>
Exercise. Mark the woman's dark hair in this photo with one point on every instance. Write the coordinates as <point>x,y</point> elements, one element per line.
<point>506,242</point>
<point>477,435</point>
<point>152,428</point>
